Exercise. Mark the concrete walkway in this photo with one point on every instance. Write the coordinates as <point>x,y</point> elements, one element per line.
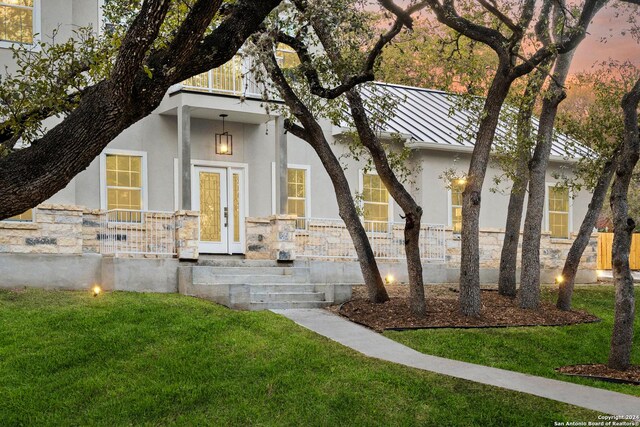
<point>375,345</point>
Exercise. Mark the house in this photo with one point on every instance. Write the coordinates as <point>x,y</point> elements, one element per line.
<point>208,196</point>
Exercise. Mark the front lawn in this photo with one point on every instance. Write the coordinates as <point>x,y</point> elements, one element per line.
<point>129,359</point>
<point>534,350</point>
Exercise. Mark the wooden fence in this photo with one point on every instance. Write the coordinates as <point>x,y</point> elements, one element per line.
<point>605,242</point>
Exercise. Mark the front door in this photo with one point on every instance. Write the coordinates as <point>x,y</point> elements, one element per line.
<point>218,193</point>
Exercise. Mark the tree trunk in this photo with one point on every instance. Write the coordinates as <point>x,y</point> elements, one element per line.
<point>623,226</point>
<point>509,255</point>
<point>373,280</point>
<point>32,175</point>
<point>312,133</point>
<point>530,272</point>
<point>469,298</point>
<point>565,292</point>
<point>412,211</point>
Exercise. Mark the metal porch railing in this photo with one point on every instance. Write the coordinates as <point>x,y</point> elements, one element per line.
<point>137,233</point>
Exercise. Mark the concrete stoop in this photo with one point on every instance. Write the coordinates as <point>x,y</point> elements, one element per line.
<point>257,285</point>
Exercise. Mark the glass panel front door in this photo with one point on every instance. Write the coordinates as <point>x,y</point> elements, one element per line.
<point>218,193</point>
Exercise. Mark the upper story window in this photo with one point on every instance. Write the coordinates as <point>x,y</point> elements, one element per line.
<point>457,187</point>
<point>286,56</point>
<point>18,19</point>
<point>558,212</point>
<point>375,203</point>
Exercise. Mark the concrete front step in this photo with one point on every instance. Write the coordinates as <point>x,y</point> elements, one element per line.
<point>282,287</point>
<point>252,270</point>
<point>246,279</point>
<point>286,296</point>
<point>255,306</point>
<point>240,262</point>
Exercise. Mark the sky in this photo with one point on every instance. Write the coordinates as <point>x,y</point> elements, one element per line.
<point>606,25</point>
<point>603,42</point>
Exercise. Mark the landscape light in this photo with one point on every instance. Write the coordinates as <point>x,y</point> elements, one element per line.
<point>559,279</point>
<point>96,290</point>
<point>389,279</point>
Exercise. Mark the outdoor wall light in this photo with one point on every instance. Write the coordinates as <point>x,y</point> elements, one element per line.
<point>224,141</point>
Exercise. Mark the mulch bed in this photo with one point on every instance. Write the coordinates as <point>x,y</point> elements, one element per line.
<point>602,372</point>
<point>443,311</point>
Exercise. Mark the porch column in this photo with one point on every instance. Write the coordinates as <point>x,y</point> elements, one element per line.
<point>281,167</point>
<point>184,157</point>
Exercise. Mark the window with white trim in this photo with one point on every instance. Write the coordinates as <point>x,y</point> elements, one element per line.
<point>558,212</point>
<point>375,203</point>
<point>18,21</point>
<point>456,189</point>
<point>297,195</point>
<point>298,192</point>
<point>123,183</point>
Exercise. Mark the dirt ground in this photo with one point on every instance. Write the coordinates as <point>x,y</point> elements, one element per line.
<point>632,375</point>
<point>443,312</point>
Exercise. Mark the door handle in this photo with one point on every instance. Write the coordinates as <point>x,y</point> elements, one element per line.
<point>226,217</point>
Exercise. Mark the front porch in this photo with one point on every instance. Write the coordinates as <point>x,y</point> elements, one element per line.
<point>64,247</point>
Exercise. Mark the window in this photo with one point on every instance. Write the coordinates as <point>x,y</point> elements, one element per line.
<point>124,180</point>
<point>457,187</point>
<point>286,56</point>
<point>24,217</point>
<point>17,18</point>
<point>375,203</point>
<point>297,194</point>
<point>558,212</point>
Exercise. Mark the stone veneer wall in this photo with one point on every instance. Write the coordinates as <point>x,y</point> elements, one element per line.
<point>187,234</point>
<point>272,238</point>
<point>74,230</point>
<point>57,229</point>
<point>553,252</point>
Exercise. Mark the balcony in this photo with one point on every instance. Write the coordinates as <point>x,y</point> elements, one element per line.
<point>235,78</point>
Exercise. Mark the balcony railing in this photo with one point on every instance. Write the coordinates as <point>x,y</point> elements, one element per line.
<point>236,77</point>
<point>329,239</point>
<point>233,78</point>
<point>126,232</point>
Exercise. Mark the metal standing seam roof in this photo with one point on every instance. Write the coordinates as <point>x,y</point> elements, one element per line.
<point>434,116</point>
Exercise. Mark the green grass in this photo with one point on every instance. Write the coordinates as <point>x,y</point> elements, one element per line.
<point>535,350</point>
<point>147,359</point>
